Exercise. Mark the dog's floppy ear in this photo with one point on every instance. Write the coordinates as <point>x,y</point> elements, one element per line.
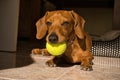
<point>41,28</point>
<point>79,25</point>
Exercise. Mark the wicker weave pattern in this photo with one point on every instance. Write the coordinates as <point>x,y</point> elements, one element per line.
<point>106,48</point>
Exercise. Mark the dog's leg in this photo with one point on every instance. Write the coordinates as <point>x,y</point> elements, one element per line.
<point>38,51</point>
<point>86,64</point>
<point>51,62</point>
<point>54,61</point>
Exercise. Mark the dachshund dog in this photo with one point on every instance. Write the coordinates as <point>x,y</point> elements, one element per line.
<point>65,26</point>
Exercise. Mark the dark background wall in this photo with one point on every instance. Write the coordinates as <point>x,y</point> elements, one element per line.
<point>104,12</point>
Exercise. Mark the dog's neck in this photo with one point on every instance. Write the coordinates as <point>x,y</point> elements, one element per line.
<point>71,39</point>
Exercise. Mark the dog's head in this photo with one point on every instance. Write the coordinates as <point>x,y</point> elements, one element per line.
<point>60,26</point>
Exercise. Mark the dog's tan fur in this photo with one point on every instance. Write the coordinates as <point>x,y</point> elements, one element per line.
<point>69,27</point>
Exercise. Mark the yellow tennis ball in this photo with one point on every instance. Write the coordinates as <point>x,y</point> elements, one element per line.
<point>56,49</point>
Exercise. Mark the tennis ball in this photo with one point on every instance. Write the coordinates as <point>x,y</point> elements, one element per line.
<point>56,49</point>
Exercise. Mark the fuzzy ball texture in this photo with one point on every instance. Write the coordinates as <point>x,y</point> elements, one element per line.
<point>56,49</point>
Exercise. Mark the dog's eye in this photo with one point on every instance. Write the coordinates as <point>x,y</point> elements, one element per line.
<point>48,23</point>
<point>66,23</point>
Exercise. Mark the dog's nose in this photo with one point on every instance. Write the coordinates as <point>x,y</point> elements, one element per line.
<point>53,38</point>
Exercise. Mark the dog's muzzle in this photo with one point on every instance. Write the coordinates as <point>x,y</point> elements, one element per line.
<point>53,38</point>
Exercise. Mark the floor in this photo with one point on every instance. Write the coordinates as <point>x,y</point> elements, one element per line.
<point>104,68</point>
<point>20,66</point>
<point>22,56</point>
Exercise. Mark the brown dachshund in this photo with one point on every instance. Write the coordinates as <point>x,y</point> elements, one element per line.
<point>65,26</point>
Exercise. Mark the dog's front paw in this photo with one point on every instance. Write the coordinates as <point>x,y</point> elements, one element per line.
<point>50,63</point>
<point>38,51</point>
<point>87,68</point>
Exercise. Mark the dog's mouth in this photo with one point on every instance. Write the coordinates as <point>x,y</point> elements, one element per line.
<point>55,39</point>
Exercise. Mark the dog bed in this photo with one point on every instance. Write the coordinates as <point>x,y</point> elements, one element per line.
<point>107,45</point>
